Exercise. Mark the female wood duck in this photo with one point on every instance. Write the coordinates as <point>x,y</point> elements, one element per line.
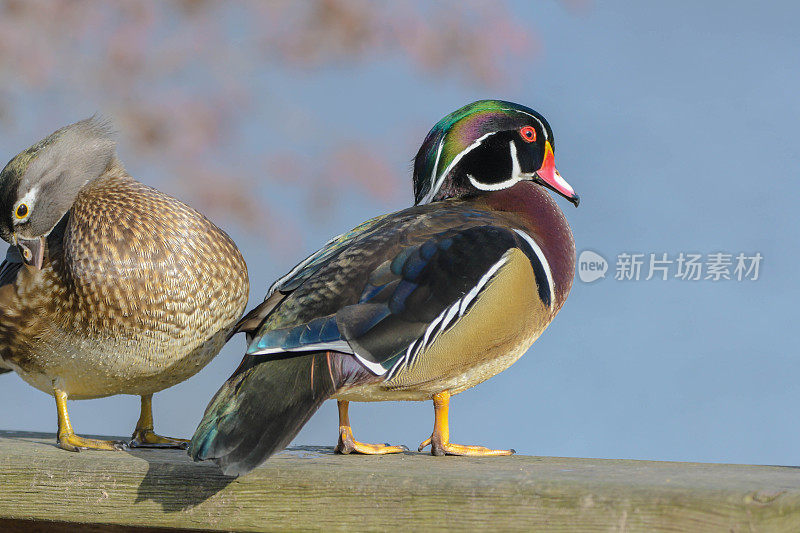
<point>110,286</point>
<point>419,304</point>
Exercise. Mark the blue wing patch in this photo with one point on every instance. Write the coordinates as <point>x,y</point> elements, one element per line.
<point>309,336</point>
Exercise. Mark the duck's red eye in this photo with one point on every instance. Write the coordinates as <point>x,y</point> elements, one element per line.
<point>528,134</point>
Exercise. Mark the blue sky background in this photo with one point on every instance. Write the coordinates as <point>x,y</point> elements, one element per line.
<point>676,123</point>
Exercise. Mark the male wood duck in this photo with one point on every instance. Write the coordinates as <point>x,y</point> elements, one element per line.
<point>415,305</point>
<point>110,286</point>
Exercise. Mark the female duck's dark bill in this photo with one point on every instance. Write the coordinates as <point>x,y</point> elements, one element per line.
<point>32,251</point>
<point>550,178</point>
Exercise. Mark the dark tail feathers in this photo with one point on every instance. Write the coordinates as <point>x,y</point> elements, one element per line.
<point>262,406</point>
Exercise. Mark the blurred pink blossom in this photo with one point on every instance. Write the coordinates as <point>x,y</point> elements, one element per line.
<point>177,79</point>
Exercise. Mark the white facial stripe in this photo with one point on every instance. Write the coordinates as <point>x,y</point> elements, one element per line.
<point>532,116</point>
<point>516,169</point>
<point>435,189</point>
<point>492,186</point>
<point>543,260</point>
<point>516,175</point>
<point>30,200</point>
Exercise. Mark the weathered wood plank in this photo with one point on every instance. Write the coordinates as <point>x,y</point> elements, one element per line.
<point>311,488</point>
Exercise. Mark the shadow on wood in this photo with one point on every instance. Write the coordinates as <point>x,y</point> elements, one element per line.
<point>170,487</point>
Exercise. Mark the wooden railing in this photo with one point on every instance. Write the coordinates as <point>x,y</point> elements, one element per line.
<point>43,488</point>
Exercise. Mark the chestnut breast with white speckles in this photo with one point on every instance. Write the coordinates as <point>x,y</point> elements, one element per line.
<point>137,294</point>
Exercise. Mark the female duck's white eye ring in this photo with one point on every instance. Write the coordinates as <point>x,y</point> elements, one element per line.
<point>22,211</point>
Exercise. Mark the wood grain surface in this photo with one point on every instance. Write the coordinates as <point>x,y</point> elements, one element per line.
<point>43,488</point>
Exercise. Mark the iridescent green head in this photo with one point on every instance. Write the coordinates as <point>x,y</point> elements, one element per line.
<point>487,145</point>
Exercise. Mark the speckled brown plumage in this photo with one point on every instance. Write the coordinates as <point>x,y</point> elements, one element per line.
<point>137,294</point>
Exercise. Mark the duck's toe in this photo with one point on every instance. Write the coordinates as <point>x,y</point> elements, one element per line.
<point>74,443</point>
<point>347,444</point>
<point>147,438</point>
<point>448,448</point>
